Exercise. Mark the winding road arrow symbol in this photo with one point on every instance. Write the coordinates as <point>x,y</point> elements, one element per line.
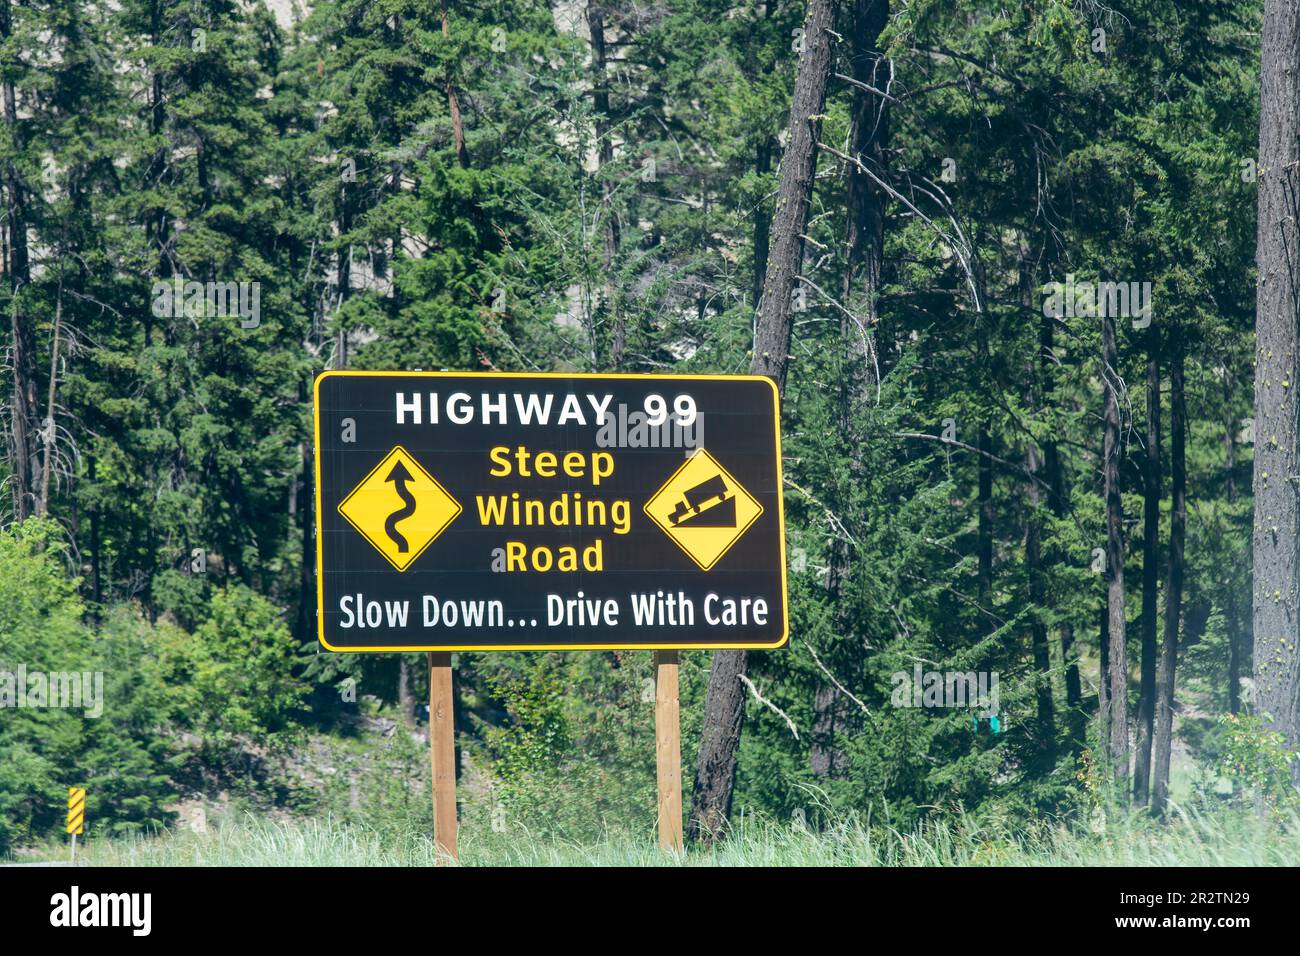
<point>399,476</point>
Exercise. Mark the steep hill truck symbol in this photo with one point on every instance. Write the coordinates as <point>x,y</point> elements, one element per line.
<point>703,509</point>
<point>399,508</point>
<point>707,505</point>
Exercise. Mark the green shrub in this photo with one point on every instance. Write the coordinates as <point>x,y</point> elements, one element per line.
<point>1256,760</point>
<point>111,746</point>
<point>231,683</point>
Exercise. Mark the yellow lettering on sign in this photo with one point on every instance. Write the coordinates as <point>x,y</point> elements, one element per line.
<point>520,557</point>
<point>597,466</point>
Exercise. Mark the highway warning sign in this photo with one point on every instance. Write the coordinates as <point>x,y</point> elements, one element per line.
<point>503,511</point>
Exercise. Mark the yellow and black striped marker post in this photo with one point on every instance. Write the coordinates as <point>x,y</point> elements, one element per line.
<point>76,810</point>
<point>76,815</point>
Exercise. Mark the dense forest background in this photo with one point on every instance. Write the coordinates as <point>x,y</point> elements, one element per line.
<point>984,471</point>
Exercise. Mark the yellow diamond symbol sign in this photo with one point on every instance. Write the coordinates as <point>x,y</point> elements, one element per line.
<point>703,509</point>
<point>399,508</point>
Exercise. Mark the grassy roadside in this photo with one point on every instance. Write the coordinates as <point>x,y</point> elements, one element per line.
<point>1224,839</point>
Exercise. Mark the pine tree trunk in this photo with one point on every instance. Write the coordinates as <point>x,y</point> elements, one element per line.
<point>96,589</point>
<point>605,159</point>
<point>23,415</point>
<point>1117,696</point>
<point>1150,576</point>
<point>1277,661</point>
<point>453,102</point>
<point>724,708</point>
<point>1054,475</point>
<point>22,358</point>
<point>405,699</point>
<point>344,282</point>
<point>1038,374</point>
<point>762,224</point>
<point>864,256</point>
<point>1073,690</point>
<point>1103,682</point>
<point>47,428</point>
<point>1046,729</point>
<point>868,138</point>
<point>984,504</point>
<point>794,196</point>
<point>1231,604</point>
<point>824,757</point>
<point>307,544</point>
<point>1174,589</point>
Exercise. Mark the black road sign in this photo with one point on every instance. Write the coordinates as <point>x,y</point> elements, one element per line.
<point>501,511</point>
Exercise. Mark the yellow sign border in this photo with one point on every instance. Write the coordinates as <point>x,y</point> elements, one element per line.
<point>749,524</point>
<point>619,646</point>
<point>424,471</point>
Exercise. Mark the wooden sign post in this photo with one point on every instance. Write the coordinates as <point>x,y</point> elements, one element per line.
<point>442,744</point>
<point>668,751</point>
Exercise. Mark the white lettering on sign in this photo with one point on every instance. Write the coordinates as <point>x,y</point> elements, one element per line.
<point>495,408</point>
<point>463,613</point>
<point>357,612</point>
<point>729,612</point>
<point>581,612</point>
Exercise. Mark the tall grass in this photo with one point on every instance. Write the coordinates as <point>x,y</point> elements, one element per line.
<point>1189,838</point>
